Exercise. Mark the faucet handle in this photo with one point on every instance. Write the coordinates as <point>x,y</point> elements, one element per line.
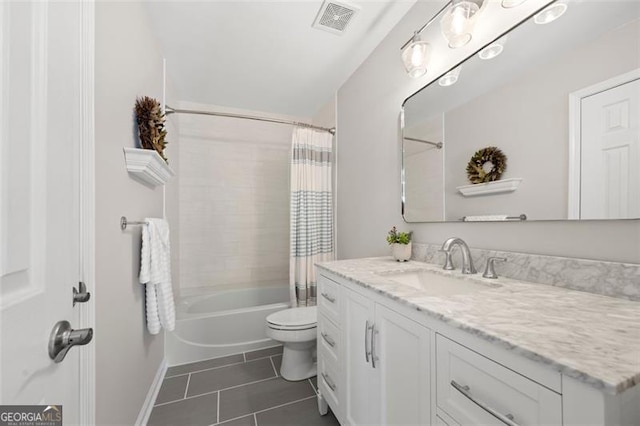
<point>448,263</point>
<point>489,270</point>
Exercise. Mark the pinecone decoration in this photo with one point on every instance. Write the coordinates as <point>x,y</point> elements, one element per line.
<point>150,119</point>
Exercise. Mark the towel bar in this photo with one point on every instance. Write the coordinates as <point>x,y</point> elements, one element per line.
<point>124,223</point>
<point>508,218</point>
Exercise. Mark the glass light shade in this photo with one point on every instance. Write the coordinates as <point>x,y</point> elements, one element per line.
<point>507,4</point>
<point>494,49</point>
<point>416,57</point>
<point>450,78</point>
<point>457,23</point>
<point>550,13</point>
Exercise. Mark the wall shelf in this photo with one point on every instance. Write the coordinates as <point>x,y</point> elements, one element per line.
<point>147,166</point>
<point>496,187</point>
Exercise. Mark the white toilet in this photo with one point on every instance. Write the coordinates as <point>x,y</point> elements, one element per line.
<point>296,329</point>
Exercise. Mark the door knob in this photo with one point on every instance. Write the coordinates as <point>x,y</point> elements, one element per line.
<point>81,295</point>
<point>63,338</point>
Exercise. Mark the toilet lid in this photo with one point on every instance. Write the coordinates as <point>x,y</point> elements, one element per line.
<point>295,317</point>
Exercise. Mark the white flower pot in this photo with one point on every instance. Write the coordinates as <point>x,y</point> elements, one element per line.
<point>401,252</point>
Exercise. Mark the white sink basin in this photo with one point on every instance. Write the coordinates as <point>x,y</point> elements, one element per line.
<point>437,285</point>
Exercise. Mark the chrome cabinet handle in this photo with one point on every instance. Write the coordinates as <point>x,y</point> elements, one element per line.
<point>328,381</point>
<point>507,419</point>
<point>328,297</point>
<point>328,339</point>
<point>374,358</point>
<point>367,351</point>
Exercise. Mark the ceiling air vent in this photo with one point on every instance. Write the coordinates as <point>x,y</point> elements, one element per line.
<point>334,16</point>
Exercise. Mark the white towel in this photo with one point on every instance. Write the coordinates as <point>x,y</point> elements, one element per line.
<point>155,273</point>
<point>486,218</point>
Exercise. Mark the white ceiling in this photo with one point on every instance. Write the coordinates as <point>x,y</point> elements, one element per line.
<point>264,55</point>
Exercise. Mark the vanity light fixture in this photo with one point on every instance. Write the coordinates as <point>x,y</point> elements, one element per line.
<point>550,13</point>
<point>494,49</point>
<point>415,56</point>
<point>508,4</point>
<point>458,22</point>
<point>451,77</point>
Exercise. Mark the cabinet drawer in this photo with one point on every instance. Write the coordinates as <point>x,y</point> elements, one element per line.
<point>329,298</point>
<point>329,339</point>
<point>329,382</point>
<point>475,390</point>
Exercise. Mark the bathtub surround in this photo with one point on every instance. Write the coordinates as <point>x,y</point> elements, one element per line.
<point>234,198</point>
<point>311,215</point>
<point>614,279</point>
<point>369,165</point>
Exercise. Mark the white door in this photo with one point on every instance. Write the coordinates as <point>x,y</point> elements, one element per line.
<point>40,128</point>
<point>610,154</point>
<point>403,367</point>
<point>360,378</point>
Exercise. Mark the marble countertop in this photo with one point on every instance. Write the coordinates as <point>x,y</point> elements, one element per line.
<point>592,338</point>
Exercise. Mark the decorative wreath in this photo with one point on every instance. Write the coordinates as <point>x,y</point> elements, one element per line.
<point>486,165</point>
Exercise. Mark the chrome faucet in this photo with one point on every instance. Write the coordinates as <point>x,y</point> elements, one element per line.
<point>467,261</point>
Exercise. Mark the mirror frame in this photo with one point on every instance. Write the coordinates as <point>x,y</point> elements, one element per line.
<point>402,141</point>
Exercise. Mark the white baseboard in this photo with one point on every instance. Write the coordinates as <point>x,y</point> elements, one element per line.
<point>145,412</point>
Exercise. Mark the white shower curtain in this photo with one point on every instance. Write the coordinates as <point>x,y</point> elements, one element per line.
<point>311,211</point>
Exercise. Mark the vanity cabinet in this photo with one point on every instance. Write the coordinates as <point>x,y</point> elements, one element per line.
<point>384,365</point>
<point>381,362</point>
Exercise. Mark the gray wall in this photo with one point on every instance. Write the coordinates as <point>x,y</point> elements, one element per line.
<point>128,64</point>
<point>368,196</point>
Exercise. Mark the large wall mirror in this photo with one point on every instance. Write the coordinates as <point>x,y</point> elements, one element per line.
<point>561,101</point>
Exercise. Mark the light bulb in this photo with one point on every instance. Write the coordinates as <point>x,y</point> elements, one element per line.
<point>458,17</point>
<point>416,57</point>
<point>494,49</point>
<point>418,52</point>
<point>550,14</point>
<point>457,23</point>
<point>507,4</point>
<point>450,78</point>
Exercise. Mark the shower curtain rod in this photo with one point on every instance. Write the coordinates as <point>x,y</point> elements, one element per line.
<point>436,144</point>
<point>169,110</point>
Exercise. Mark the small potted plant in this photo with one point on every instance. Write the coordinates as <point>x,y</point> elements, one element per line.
<point>400,243</point>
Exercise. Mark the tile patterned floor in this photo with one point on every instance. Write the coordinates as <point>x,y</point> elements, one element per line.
<point>237,390</point>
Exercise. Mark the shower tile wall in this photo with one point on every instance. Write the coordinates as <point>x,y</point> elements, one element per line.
<point>234,203</point>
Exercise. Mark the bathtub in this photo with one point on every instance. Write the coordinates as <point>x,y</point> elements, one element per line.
<point>223,323</point>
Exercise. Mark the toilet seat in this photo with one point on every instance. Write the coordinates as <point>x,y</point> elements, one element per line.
<point>305,318</point>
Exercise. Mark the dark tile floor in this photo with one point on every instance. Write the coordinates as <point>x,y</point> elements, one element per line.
<point>237,390</point>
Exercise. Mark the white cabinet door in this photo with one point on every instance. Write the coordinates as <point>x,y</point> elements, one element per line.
<point>386,365</point>
<point>402,369</point>
<point>360,379</point>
